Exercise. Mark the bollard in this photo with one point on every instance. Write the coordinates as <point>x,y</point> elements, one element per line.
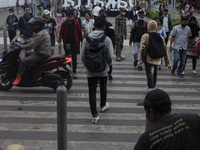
<point>62,117</point>
<point>5,38</point>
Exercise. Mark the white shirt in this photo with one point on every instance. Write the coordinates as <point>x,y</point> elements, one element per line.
<point>89,25</point>
<point>165,24</point>
<point>95,11</point>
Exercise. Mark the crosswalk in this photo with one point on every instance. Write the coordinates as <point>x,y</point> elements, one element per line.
<point>28,115</point>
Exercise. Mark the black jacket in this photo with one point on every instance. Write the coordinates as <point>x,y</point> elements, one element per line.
<point>110,32</point>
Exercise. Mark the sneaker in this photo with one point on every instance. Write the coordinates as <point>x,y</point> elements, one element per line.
<point>135,63</point>
<point>140,68</point>
<point>122,57</point>
<point>194,71</point>
<point>118,58</point>
<point>172,72</point>
<point>95,119</point>
<point>183,73</point>
<point>150,89</point>
<point>180,75</point>
<point>110,77</point>
<point>74,76</point>
<point>104,107</point>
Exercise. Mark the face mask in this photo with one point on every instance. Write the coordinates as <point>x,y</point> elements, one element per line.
<point>124,13</point>
<point>11,14</point>
<point>141,18</point>
<point>183,25</point>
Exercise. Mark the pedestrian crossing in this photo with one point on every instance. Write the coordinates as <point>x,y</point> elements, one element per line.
<point>28,115</point>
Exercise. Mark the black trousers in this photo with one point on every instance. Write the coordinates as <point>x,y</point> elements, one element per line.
<point>151,72</point>
<point>72,49</point>
<point>11,35</point>
<point>166,39</point>
<point>194,62</point>
<point>92,85</point>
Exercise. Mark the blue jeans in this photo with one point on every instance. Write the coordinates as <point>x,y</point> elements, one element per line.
<point>179,55</point>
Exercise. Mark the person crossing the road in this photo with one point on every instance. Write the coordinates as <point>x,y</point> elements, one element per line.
<point>95,77</point>
<point>139,28</point>
<point>120,33</point>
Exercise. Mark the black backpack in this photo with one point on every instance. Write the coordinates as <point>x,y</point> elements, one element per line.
<point>156,47</point>
<point>95,55</point>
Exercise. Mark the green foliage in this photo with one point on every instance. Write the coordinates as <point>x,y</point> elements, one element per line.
<point>152,15</point>
<point>39,14</point>
<point>175,22</point>
<point>155,15</point>
<point>161,1</point>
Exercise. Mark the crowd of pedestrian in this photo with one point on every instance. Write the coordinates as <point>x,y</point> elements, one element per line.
<point>80,37</point>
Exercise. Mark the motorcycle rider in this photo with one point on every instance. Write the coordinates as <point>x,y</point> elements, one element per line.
<point>40,43</point>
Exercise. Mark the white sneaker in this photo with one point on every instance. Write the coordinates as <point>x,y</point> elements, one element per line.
<point>183,73</point>
<point>194,71</point>
<point>104,107</point>
<point>95,119</point>
<point>150,89</point>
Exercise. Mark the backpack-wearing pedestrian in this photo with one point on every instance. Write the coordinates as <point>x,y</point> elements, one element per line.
<point>110,32</point>
<point>100,76</point>
<point>11,24</point>
<point>139,28</point>
<point>151,53</point>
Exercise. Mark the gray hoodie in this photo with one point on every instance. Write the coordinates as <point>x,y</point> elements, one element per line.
<point>108,43</point>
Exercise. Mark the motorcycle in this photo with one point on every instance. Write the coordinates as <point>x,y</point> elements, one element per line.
<point>51,72</point>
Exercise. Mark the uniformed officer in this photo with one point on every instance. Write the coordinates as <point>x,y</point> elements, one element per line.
<point>120,33</point>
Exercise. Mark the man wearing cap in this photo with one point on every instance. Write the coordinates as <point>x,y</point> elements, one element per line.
<point>167,24</point>
<point>25,31</point>
<point>51,27</point>
<point>168,131</point>
<point>120,33</point>
<point>110,32</point>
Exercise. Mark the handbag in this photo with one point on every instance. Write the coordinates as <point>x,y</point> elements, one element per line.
<point>198,45</point>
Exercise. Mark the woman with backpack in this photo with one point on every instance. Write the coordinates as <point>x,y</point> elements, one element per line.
<point>152,49</point>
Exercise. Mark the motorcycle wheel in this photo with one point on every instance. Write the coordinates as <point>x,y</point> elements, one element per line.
<point>5,83</point>
<point>67,79</point>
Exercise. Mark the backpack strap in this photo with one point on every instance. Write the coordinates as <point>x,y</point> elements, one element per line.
<point>103,38</point>
<point>88,39</point>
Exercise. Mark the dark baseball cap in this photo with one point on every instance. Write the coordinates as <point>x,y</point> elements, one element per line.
<point>158,100</point>
<point>165,10</point>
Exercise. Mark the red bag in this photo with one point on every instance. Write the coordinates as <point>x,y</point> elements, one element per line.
<point>199,47</point>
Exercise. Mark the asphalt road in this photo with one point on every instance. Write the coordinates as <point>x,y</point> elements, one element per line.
<point>28,115</point>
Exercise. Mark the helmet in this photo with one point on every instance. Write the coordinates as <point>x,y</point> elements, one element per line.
<point>36,24</point>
